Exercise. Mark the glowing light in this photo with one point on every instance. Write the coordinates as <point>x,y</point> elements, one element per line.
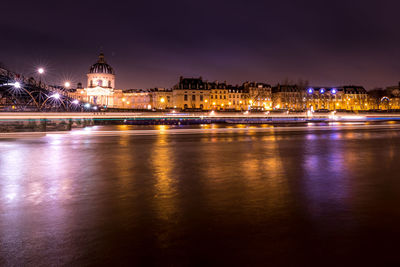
<point>333,91</point>
<point>75,102</point>
<point>222,105</point>
<point>240,101</point>
<point>206,100</point>
<point>40,70</point>
<point>17,85</point>
<point>310,90</point>
<point>148,106</point>
<point>214,103</point>
<point>128,102</point>
<point>162,100</point>
<point>95,108</point>
<point>322,90</point>
<point>123,99</point>
<point>212,113</point>
<point>67,84</point>
<point>56,96</point>
<point>87,105</point>
<point>251,102</point>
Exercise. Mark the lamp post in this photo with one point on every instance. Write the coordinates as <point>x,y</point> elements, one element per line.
<point>40,71</point>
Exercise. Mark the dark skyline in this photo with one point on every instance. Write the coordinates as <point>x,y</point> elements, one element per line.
<point>152,43</point>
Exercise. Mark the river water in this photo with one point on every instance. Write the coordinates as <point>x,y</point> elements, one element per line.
<point>210,195</point>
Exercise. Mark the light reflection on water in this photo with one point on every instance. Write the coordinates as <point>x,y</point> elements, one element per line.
<point>238,196</point>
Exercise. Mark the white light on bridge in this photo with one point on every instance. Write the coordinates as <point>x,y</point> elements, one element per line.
<point>17,85</point>
<point>76,102</point>
<point>56,96</point>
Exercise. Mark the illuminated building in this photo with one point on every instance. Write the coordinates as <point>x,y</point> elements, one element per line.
<point>197,94</point>
<point>289,97</point>
<point>336,98</point>
<point>191,93</point>
<point>100,84</point>
<point>260,95</point>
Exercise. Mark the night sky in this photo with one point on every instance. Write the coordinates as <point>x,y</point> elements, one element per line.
<point>152,43</point>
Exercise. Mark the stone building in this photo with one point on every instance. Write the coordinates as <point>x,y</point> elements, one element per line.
<point>196,94</point>
<point>191,93</point>
<point>291,97</point>
<point>260,95</point>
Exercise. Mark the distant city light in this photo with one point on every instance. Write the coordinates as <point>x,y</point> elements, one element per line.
<point>322,90</point>
<point>162,100</point>
<point>333,91</point>
<point>310,90</point>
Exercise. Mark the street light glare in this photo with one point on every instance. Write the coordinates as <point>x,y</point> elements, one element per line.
<point>76,102</point>
<point>17,85</point>
<point>67,84</point>
<point>40,70</point>
<point>56,96</point>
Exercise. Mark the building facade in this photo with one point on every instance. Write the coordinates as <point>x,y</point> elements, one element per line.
<point>197,94</point>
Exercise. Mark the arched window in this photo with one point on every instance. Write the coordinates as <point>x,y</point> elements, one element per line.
<point>109,84</point>
<point>99,82</point>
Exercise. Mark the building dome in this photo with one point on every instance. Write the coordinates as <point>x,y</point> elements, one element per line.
<point>101,66</point>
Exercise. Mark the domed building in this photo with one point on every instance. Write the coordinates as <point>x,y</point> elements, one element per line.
<point>101,91</point>
<point>100,88</point>
<point>101,74</point>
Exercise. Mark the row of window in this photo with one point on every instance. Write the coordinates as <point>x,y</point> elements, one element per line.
<point>193,97</point>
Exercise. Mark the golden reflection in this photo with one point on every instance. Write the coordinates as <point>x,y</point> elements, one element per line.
<point>162,128</point>
<point>162,161</point>
<point>257,172</point>
<point>122,127</point>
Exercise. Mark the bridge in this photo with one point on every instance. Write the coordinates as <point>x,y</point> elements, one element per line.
<point>20,93</point>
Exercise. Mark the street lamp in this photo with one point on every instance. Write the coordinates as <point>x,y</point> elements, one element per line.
<point>55,96</point>
<point>40,71</point>
<point>67,84</point>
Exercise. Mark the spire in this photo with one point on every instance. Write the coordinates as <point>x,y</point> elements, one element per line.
<point>101,58</point>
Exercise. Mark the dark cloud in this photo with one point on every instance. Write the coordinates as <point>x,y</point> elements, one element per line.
<point>152,43</point>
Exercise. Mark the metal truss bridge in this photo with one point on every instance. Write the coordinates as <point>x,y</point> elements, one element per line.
<point>18,93</point>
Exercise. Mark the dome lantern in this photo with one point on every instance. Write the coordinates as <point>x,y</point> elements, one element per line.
<point>101,66</point>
